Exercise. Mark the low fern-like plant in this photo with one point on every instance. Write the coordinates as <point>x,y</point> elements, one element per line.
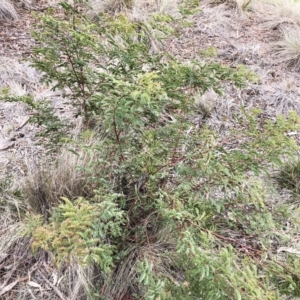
<point>75,231</point>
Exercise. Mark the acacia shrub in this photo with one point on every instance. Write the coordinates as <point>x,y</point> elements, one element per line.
<point>191,219</point>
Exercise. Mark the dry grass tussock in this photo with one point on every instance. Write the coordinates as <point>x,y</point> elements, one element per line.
<point>281,12</point>
<point>7,11</point>
<point>214,19</point>
<point>19,77</point>
<point>240,5</point>
<point>11,209</point>
<point>66,176</point>
<point>287,50</point>
<point>11,241</point>
<point>167,7</point>
<point>136,9</point>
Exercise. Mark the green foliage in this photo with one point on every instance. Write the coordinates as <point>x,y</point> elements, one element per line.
<point>42,113</point>
<point>223,276</point>
<point>155,286</point>
<point>189,7</point>
<point>118,70</point>
<point>80,231</point>
<point>250,75</point>
<point>32,222</point>
<point>210,51</point>
<point>159,171</point>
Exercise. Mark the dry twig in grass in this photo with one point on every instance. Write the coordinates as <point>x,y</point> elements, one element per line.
<point>287,51</point>
<point>7,11</point>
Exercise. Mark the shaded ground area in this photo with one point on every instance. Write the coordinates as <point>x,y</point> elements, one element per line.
<point>15,39</point>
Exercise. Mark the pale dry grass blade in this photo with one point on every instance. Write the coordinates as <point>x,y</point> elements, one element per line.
<point>7,11</point>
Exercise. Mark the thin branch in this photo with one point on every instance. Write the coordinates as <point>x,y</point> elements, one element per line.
<point>55,289</point>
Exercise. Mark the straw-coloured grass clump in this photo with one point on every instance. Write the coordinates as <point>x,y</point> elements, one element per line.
<point>287,50</point>
<point>67,176</point>
<point>7,11</point>
<point>241,5</point>
<point>280,13</point>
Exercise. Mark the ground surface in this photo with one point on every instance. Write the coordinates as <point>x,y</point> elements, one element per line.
<point>18,138</point>
<point>240,38</point>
